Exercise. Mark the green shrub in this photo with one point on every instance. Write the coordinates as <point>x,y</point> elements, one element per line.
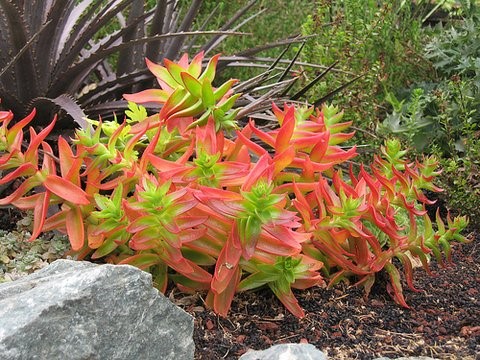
<point>443,118</point>
<point>272,20</point>
<point>379,40</point>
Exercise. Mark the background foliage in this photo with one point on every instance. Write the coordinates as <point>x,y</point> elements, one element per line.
<point>442,116</point>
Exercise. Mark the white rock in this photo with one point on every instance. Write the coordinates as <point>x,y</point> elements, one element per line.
<point>286,352</point>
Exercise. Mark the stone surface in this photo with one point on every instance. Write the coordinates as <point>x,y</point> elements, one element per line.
<point>286,352</point>
<point>80,310</point>
<point>302,352</point>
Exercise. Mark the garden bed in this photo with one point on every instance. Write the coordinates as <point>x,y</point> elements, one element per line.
<point>443,322</point>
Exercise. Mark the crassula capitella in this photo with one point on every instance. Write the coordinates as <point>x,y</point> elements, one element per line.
<point>191,197</point>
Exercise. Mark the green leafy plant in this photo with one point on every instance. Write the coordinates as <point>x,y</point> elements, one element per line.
<point>376,44</point>
<point>442,118</point>
<point>174,194</point>
<point>409,120</point>
<point>455,51</point>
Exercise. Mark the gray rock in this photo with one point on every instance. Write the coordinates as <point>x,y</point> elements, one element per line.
<point>286,352</point>
<point>80,310</point>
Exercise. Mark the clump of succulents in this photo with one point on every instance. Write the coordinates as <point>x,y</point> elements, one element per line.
<point>197,200</point>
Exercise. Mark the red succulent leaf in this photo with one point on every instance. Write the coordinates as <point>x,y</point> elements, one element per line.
<point>6,158</point>
<point>261,169</point>
<point>227,263</point>
<point>320,148</point>
<point>168,169</point>
<point>6,117</point>
<point>150,95</point>
<point>42,203</point>
<point>174,258</point>
<point>282,160</point>
<point>221,302</point>
<point>163,76</point>
<point>275,246</point>
<point>338,155</point>
<point>302,206</point>
<point>324,242</point>
<point>141,222</point>
<point>70,165</point>
<point>208,139</point>
<point>408,268</point>
<point>336,139</point>
<point>420,253</point>
<point>209,72</point>
<point>26,186</point>
<point>95,240</point>
<point>294,239</point>
<point>56,221</point>
<point>66,190</point>
<point>288,300</point>
<point>48,166</point>
<point>26,202</point>
<point>305,140</point>
<point>18,127</point>
<point>75,228</point>
<point>207,195</point>
<point>255,148</point>
<point>284,135</point>
<point>195,66</point>
<point>189,235</point>
<point>23,170</point>
<point>145,239</point>
<point>308,282</point>
<point>303,162</point>
<point>266,137</point>
<point>394,287</point>
<point>174,70</point>
<point>388,184</point>
<point>176,101</point>
<point>31,154</point>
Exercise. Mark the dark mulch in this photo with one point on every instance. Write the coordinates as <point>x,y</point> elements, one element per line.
<point>443,322</point>
<point>9,217</point>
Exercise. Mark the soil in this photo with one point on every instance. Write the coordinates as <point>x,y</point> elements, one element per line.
<point>9,216</point>
<point>443,321</point>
